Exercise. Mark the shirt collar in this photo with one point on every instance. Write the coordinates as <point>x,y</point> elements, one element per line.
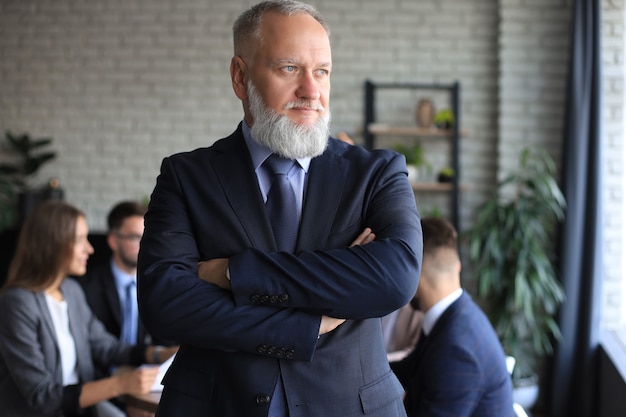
<point>259,153</point>
<point>122,279</point>
<point>433,313</point>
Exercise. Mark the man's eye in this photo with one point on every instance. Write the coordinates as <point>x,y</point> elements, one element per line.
<point>290,68</point>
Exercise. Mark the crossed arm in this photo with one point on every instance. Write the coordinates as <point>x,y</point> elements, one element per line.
<point>327,277</point>
<point>215,271</point>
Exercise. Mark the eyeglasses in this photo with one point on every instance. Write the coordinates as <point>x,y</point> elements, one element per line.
<point>131,238</point>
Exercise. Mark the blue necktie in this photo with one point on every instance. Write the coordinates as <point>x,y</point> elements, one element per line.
<point>129,333</point>
<point>281,203</point>
<point>282,211</point>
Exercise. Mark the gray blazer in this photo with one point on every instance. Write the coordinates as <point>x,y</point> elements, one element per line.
<point>30,366</point>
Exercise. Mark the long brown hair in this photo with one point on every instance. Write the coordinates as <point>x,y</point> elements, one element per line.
<point>45,246</point>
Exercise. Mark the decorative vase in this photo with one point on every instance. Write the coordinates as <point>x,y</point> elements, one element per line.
<point>413,172</point>
<point>425,113</point>
<point>526,392</point>
<point>444,178</point>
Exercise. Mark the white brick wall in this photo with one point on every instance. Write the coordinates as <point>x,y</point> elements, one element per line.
<point>534,42</point>
<point>120,84</point>
<point>614,290</point>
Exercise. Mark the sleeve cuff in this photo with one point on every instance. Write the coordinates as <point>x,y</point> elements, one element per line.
<point>70,403</point>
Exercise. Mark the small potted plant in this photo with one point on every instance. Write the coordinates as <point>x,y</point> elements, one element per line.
<point>446,175</point>
<point>17,196</point>
<point>414,156</point>
<point>511,254</point>
<point>444,119</point>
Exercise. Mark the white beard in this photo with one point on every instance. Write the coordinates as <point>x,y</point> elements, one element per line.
<point>281,135</point>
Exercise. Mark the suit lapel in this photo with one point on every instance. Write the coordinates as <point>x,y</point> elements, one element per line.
<point>449,314</point>
<point>42,305</point>
<point>423,342</point>
<point>326,179</point>
<point>45,313</point>
<point>324,187</point>
<point>233,167</point>
<point>112,298</point>
<point>81,340</point>
<point>82,349</point>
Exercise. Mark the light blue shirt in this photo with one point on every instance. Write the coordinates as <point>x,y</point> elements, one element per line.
<point>297,174</point>
<point>122,279</point>
<point>297,177</point>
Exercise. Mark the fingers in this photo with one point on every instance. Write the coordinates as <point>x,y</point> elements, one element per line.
<point>204,270</point>
<point>345,137</point>
<point>142,379</point>
<point>364,238</point>
<point>169,351</point>
<point>214,271</point>
<point>328,324</point>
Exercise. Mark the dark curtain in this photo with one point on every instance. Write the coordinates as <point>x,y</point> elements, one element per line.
<point>572,374</point>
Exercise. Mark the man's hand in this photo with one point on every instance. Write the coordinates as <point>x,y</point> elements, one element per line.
<point>329,324</point>
<point>214,271</point>
<point>159,354</point>
<point>139,380</point>
<point>364,238</point>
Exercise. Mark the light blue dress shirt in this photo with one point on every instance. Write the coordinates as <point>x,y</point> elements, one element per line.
<point>129,324</point>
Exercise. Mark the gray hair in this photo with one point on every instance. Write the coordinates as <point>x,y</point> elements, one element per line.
<point>248,24</point>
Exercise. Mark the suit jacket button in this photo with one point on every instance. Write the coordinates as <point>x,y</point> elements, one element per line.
<point>283,298</point>
<point>261,348</point>
<point>262,399</point>
<point>255,298</point>
<point>265,298</point>
<point>290,353</point>
<point>271,350</point>
<point>280,352</point>
<point>273,299</point>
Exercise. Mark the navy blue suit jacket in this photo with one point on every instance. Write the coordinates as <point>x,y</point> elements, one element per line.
<point>234,344</point>
<point>459,369</point>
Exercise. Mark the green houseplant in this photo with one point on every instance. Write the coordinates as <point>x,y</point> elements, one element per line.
<point>444,119</point>
<point>511,255</point>
<point>414,155</point>
<point>415,160</point>
<point>445,174</point>
<point>26,156</point>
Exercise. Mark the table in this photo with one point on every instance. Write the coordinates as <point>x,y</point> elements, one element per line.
<point>145,402</point>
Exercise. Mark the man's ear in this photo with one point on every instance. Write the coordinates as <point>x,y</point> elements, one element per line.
<point>239,77</point>
<point>111,242</point>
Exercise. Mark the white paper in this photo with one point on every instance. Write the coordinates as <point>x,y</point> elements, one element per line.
<point>157,387</point>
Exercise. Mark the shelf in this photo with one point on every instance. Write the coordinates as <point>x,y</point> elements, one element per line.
<point>382,129</point>
<point>373,128</point>
<point>435,186</point>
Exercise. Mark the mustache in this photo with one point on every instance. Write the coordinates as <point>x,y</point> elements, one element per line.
<point>306,104</point>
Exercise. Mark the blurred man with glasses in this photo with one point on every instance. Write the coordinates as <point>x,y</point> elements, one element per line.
<point>111,287</point>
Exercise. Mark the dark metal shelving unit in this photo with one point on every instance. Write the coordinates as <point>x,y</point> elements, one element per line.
<point>454,134</point>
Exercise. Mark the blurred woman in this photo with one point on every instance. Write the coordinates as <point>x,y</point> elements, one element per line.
<point>49,338</point>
